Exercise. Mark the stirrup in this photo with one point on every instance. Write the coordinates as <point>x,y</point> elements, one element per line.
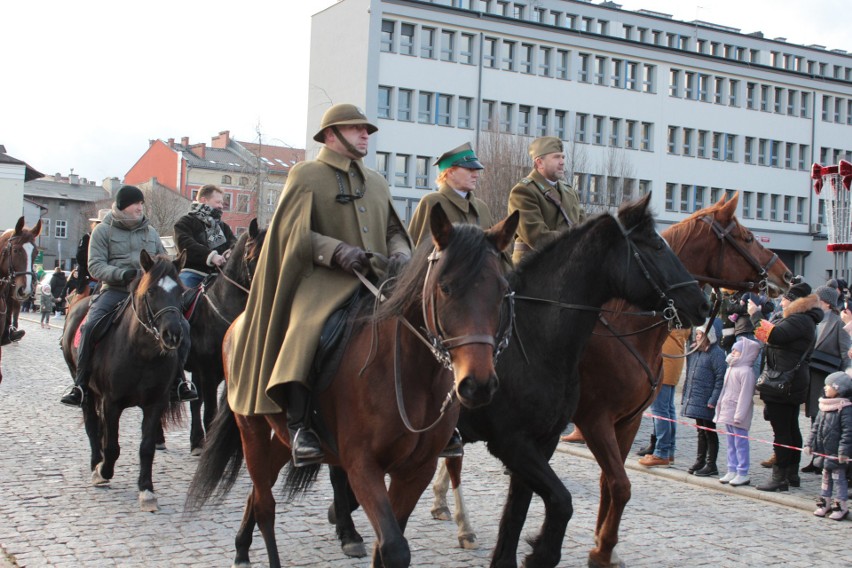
<point>186,391</point>
<point>69,392</point>
<point>306,458</point>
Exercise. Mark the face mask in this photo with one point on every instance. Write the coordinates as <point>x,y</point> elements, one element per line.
<point>216,213</point>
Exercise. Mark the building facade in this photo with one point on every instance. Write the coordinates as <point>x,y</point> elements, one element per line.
<point>689,111</point>
<point>14,173</point>
<point>250,175</point>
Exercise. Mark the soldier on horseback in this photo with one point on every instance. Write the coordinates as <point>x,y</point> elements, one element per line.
<point>204,236</point>
<point>114,250</point>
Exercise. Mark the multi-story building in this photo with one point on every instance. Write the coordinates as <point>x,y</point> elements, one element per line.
<point>645,103</point>
<point>251,175</point>
<point>13,174</point>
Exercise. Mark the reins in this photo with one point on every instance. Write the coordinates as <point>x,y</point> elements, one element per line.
<point>231,281</point>
<point>152,319</point>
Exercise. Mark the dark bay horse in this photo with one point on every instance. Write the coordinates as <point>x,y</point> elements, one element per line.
<point>385,407</point>
<point>618,381</point>
<point>17,251</point>
<point>216,308</point>
<point>559,292</point>
<point>134,364</point>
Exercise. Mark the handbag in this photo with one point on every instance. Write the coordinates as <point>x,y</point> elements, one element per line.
<point>775,382</point>
<point>825,362</point>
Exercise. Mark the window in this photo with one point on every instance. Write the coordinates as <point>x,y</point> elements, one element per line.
<point>387,35</point>
<point>524,120</point>
<point>764,98</point>
<point>226,180</point>
<point>544,61</point>
<point>800,209</point>
<point>401,170</point>
<point>384,104</point>
<point>559,124</point>
<point>193,193</point>
<point>730,147</point>
<point>671,140</point>
<point>583,72</point>
<point>382,164</point>
<point>445,105</point>
<point>789,149</point>
<point>703,81</point>
<point>685,191</point>
<point>226,203</point>
<point>702,143</point>
<point>526,60</point>
<point>700,190</point>
<point>646,135</point>
<point>600,70</point>
<point>792,101</point>
<point>630,135</point>
<point>670,196</point>
<point>403,107</point>
<point>617,71</point>
<point>749,150</point>
<point>448,40</point>
<point>774,151</point>
<point>648,74</point>
<point>717,145</point>
<point>674,83</point>
<point>487,118</point>
<point>244,181</point>
<point>421,178</point>
<point>773,207</point>
<point>614,132</point>
<point>761,203</point>
<point>838,104</point>
<point>611,191</point>
<point>489,52</point>
<point>427,42</point>
<point>465,106</point>
<point>561,64</point>
<point>761,152</point>
<point>788,209</point>
<point>690,85</point>
<point>750,103</point>
<point>242,203</point>
<point>60,230</point>
<point>580,127</point>
<point>508,58</point>
<point>747,199</point>
<point>806,103</point>
<point>688,135</point>
<point>733,87</point>
<point>644,187</point>
<point>718,90</point>
<point>632,75</point>
<point>424,111</point>
<point>541,121</point>
<point>599,130</point>
<point>466,49</point>
<point>778,101</point>
<point>804,154</point>
<point>715,194</point>
<point>505,117</point>
<point>406,39</point>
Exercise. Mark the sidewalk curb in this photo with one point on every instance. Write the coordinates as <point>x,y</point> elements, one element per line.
<point>779,498</point>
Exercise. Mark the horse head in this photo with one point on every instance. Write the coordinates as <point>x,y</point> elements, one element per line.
<point>656,275</point>
<point>719,251</point>
<point>463,296</point>
<point>17,252</point>
<point>242,262</point>
<point>157,299</point>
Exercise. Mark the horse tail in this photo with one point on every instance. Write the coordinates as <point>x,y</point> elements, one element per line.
<point>173,415</point>
<point>299,480</point>
<point>221,460</point>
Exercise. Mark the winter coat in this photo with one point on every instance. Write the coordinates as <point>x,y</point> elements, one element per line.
<point>789,340</point>
<point>191,236</point>
<point>115,246</point>
<point>705,374</point>
<point>458,209</point>
<point>736,402</point>
<point>57,284</point>
<point>296,288</point>
<point>831,433</point>
<point>46,303</point>
<point>831,339</point>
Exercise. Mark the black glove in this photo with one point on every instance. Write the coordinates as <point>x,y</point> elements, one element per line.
<point>128,275</point>
<point>350,259</point>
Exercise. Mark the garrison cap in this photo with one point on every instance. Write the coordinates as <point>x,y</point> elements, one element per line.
<point>462,156</point>
<point>343,115</point>
<point>545,145</point>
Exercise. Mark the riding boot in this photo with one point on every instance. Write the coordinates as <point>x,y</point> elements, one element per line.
<point>701,454</point>
<point>778,481</point>
<point>77,394</point>
<point>649,449</point>
<point>455,447</point>
<point>305,445</point>
<point>184,390</point>
<point>710,464</point>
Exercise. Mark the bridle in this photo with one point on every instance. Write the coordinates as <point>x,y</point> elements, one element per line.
<point>725,237</point>
<point>249,275</point>
<point>151,326</point>
<point>9,269</point>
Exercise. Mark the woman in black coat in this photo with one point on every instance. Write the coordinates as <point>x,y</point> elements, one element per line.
<point>789,344</point>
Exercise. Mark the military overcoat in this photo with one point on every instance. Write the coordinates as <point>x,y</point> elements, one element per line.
<point>296,288</point>
<point>540,216</point>
<point>458,209</point>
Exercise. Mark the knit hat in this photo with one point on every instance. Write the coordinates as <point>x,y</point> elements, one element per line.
<point>128,195</point>
<point>841,382</point>
<point>45,289</point>
<point>828,295</point>
<point>711,333</point>
<point>800,290</point>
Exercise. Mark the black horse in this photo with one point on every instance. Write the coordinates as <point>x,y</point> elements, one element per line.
<point>135,364</point>
<point>215,309</point>
<point>559,292</point>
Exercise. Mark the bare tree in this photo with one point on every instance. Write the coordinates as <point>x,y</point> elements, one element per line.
<point>605,186</point>
<point>506,162</point>
<point>163,207</point>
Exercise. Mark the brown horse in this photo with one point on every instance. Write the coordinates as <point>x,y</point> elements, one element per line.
<point>384,409</point>
<point>619,377</point>
<point>17,251</point>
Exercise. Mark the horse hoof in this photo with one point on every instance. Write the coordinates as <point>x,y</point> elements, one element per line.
<point>195,452</point>
<point>241,565</point>
<point>355,550</point>
<point>614,562</point>
<point>468,542</point>
<point>97,479</point>
<point>441,514</point>
<point>332,515</point>
<point>160,446</point>
<point>148,502</point>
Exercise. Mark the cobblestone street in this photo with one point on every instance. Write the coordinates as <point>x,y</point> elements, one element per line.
<point>53,516</point>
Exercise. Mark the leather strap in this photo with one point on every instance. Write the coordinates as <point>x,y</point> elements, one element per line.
<point>549,197</point>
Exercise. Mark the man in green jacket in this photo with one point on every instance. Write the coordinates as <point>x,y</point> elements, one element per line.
<point>335,218</point>
<point>547,204</point>
<point>114,250</point>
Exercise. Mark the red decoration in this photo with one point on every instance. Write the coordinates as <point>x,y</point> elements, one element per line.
<point>818,171</point>
<point>839,247</point>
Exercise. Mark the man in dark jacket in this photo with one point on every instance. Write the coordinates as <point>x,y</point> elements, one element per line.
<point>57,285</point>
<point>204,236</point>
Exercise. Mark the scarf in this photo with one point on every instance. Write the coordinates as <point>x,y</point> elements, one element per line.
<point>212,227</point>
<point>833,404</point>
<point>129,222</point>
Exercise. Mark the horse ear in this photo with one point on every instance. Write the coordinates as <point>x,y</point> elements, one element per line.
<point>503,232</point>
<point>253,230</point>
<point>442,229</point>
<point>632,212</point>
<point>727,211</point>
<point>145,260</point>
<point>181,260</point>
<point>36,231</point>
<point>722,199</point>
<point>19,226</point>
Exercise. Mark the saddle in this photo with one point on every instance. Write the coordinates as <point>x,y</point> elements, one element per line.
<point>335,335</point>
<point>102,325</point>
<point>190,297</point>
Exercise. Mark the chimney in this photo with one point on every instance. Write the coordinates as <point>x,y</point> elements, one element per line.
<point>184,141</point>
<point>198,149</point>
<point>222,140</point>
<point>73,179</point>
<point>111,184</point>
<point>57,176</point>
<point>171,142</point>
<point>84,181</point>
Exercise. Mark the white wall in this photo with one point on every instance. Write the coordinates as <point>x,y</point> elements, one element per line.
<point>11,194</point>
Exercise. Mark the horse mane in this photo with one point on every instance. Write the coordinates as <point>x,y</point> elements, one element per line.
<point>162,267</point>
<point>462,261</point>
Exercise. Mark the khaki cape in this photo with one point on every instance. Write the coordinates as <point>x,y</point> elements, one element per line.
<point>539,216</point>
<point>458,209</point>
<point>296,288</point>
